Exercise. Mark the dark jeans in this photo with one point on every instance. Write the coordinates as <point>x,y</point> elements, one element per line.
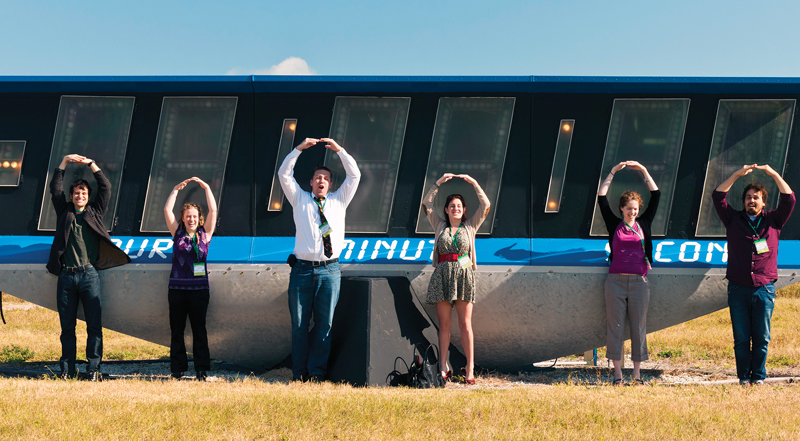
<point>751,316</point>
<point>83,286</point>
<point>192,303</point>
<point>312,289</point>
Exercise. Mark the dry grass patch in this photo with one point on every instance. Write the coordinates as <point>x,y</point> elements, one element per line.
<point>707,342</point>
<point>252,409</point>
<point>37,330</point>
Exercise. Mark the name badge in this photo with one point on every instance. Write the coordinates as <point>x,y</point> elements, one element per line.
<point>761,246</point>
<point>325,229</point>
<point>199,269</point>
<point>464,261</point>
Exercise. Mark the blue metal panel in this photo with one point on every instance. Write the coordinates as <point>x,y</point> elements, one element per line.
<point>666,85</point>
<point>390,84</point>
<point>123,84</point>
<point>671,253</point>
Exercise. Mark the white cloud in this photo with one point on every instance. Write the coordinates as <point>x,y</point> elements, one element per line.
<point>289,66</point>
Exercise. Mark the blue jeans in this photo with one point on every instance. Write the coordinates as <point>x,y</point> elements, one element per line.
<point>312,289</point>
<point>751,315</point>
<point>83,286</point>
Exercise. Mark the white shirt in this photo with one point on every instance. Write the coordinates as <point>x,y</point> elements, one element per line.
<point>308,238</point>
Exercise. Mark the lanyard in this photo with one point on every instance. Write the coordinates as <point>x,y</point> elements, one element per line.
<point>455,238</point>
<point>754,228</point>
<point>641,237</point>
<point>194,243</point>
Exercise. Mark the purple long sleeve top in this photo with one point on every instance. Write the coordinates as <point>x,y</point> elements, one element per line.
<point>745,266</point>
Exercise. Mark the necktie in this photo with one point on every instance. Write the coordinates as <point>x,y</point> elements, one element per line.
<point>326,240</point>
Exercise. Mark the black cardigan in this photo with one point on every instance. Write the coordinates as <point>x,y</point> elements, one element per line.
<point>645,221</point>
<point>108,254</point>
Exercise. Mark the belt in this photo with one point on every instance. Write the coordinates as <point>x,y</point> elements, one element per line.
<point>319,262</point>
<point>451,257</point>
<point>76,269</point>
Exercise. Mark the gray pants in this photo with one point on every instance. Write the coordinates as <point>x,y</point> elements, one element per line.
<point>627,294</point>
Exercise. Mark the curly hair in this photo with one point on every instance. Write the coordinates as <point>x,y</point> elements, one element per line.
<point>758,188</point>
<point>189,205</point>
<point>628,196</point>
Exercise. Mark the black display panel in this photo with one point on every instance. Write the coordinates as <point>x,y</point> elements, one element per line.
<point>96,127</point>
<point>649,131</point>
<point>470,137</point>
<point>372,130</point>
<point>194,137</point>
<point>745,132</point>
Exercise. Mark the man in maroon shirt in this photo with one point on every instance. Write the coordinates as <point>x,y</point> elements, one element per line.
<point>752,267</point>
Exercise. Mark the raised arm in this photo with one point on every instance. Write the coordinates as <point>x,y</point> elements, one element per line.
<point>651,184</point>
<point>783,187</point>
<point>430,211</point>
<point>348,188</point>
<point>728,183</point>
<point>100,202</point>
<point>286,172</point>
<point>483,202</point>
<point>603,190</point>
<point>211,217</point>
<point>169,215</point>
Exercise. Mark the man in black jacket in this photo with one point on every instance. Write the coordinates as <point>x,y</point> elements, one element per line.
<point>81,246</point>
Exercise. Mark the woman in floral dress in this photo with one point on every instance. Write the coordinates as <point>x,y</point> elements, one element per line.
<point>453,280</point>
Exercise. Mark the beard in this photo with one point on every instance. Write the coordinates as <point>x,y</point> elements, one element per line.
<point>752,211</point>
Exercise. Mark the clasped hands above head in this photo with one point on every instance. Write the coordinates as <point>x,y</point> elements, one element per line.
<point>745,170</point>
<point>182,185</point>
<point>328,142</point>
<point>448,176</point>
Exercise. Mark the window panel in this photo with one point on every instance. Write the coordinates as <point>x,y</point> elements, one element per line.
<point>649,131</point>
<point>285,147</point>
<point>11,153</point>
<point>96,127</point>
<point>194,136</point>
<point>372,130</point>
<point>470,137</point>
<point>745,132</point>
<point>565,129</point>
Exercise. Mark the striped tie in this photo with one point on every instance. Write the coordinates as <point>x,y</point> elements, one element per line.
<point>326,240</point>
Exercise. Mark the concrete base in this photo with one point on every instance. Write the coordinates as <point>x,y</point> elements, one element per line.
<point>376,321</point>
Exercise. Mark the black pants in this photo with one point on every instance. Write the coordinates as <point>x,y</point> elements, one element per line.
<point>193,303</point>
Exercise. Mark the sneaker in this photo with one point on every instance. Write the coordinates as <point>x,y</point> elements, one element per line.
<point>744,383</point>
<point>317,379</point>
<point>94,376</point>
<point>177,375</point>
<point>201,376</point>
<point>758,383</point>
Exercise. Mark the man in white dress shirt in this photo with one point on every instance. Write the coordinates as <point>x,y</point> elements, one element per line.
<point>319,238</point>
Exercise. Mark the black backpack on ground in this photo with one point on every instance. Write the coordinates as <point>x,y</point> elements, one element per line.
<point>423,372</point>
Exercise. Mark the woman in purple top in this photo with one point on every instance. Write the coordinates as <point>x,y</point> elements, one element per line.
<point>627,289</point>
<point>188,280</point>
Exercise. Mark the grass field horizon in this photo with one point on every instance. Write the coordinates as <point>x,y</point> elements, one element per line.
<point>250,408</point>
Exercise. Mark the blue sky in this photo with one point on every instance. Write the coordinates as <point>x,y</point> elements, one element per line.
<point>612,38</point>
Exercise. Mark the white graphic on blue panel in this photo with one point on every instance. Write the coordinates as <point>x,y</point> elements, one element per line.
<point>399,251</point>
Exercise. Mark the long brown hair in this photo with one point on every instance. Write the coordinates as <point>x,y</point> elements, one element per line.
<point>189,205</point>
<point>450,199</point>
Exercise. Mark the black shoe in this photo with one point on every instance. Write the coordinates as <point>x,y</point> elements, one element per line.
<point>94,376</point>
<point>301,378</point>
<point>317,379</point>
<point>201,376</point>
<point>177,375</point>
<point>67,376</point>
